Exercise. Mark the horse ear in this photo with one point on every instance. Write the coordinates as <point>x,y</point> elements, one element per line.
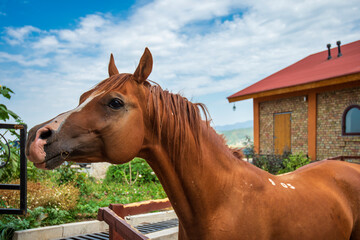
<point>144,68</point>
<point>112,68</point>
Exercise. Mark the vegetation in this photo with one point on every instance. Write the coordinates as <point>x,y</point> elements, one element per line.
<point>293,162</point>
<point>13,162</point>
<point>66,195</point>
<point>135,171</point>
<point>6,113</point>
<point>234,137</point>
<point>279,164</point>
<point>274,164</point>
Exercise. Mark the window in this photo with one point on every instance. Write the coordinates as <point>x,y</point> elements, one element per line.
<point>351,120</point>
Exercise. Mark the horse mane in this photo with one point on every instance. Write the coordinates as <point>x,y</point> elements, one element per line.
<point>175,120</point>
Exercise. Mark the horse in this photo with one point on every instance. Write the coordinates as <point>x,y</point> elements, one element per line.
<point>214,194</point>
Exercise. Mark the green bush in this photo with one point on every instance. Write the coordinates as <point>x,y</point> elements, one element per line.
<point>248,149</point>
<point>294,162</point>
<point>269,163</point>
<point>10,223</point>
<point>65,173</point>
<point>279,164</point>
<point>6,233</point>
<point>104,194</point>
<point>12,168</point>
<point>135,171</point>
<point>37,217</point>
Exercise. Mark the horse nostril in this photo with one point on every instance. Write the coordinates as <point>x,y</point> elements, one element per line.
<point>45,134</point>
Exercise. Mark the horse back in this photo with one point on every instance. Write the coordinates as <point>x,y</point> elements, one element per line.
<point>342,180</point>
<point>328,196</point>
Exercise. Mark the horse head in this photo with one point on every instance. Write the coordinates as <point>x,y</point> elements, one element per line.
<point>106,126</point>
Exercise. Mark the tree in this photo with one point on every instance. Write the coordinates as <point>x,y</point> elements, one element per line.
<point>6,113</point>
<point>9,151</point>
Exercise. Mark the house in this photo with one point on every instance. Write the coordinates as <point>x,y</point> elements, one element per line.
<point>311,106</point>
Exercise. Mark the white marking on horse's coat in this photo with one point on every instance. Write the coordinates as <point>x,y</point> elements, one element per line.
<point>284,185</point>
<point>272,182</point>
<point>291,186</point>
<point>57,122</point>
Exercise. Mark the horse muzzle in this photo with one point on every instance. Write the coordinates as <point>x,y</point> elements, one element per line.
<point>42,150</point>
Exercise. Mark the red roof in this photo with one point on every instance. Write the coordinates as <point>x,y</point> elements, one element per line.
<point>311,69</point>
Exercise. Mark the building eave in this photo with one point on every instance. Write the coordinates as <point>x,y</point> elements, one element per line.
<point>303,87</point>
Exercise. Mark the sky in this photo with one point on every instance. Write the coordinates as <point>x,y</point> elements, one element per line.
<point>53,51</point>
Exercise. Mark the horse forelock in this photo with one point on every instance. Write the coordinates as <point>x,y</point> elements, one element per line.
<point>114,82</point>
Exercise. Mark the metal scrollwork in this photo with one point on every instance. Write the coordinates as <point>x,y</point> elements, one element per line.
<point>4,160</point>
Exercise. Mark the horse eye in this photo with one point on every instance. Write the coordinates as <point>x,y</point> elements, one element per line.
<point>116,103</point>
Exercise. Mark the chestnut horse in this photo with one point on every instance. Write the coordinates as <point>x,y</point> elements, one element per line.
<point>214,194</point>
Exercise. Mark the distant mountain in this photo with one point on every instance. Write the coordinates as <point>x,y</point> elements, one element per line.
<point>246,124</point>
<point>235,133</point>
<point>236,137</point>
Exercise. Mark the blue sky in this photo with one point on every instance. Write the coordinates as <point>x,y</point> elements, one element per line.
<point>52,51</point>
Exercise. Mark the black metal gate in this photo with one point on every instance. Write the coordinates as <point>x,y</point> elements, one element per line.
<point>23,173</point>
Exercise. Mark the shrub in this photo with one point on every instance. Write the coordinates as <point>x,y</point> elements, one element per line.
<point>37,217</point>
<point>278,164</point>
<point>294,162</point>
<point>84,183</point>
<point>6,232</point>
<point>136,170</point>
<point>104,194</point>
<point>12,168</point>
<point>34,173</point>
<point>248,149</point>
<point>269,163</point>
<point>65,173</point>
<point>43,194</point>
<point>10,223</point>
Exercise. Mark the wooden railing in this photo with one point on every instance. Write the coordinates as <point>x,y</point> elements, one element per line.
<point>114,216</point>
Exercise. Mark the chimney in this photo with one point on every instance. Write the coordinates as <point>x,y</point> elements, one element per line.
<point>329,53</point>
<point>339,50</point>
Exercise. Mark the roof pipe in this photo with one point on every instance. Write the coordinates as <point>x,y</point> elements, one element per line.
<point>339,49</point>
<point>329,52</point>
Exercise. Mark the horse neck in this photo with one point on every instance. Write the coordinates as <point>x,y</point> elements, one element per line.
<point>202,177</point>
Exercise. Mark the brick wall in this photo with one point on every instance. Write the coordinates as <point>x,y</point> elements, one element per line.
<point>298,108</point>
<point>330,108</point>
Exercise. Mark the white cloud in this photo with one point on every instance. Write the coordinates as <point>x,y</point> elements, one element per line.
<point>16,36</point>
<point>22,60</point>
<point>199,47</point>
